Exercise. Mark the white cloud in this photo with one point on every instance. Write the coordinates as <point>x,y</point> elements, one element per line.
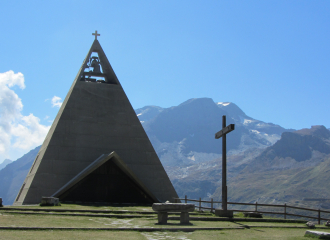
<point>56,101</point>
<point>29,132</point>
<point>18,133</point>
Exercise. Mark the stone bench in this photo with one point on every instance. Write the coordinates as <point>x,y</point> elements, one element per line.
<point>164,208</point>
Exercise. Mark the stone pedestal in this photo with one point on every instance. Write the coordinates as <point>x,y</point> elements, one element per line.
<point>49,201</point>
<point>162,217</point>
<point>184,218</point>
<point>224,213</point>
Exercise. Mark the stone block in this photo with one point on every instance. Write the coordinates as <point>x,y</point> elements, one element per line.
<point>310,224</point>
<point>327,223</point>
<point>317,234</point>
<point>49,201</point>
<point>224,213</point>
<point>162,217</point>
<point>184,218</point>
<point>253,214</point>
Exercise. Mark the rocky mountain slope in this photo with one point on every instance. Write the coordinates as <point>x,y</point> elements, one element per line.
<point>295,170</point>
<point>13,175</point>
<point>302,148</point>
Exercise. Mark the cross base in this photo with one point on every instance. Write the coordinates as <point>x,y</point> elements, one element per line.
<point>224,213</point>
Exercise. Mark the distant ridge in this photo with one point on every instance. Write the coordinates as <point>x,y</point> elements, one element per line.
<point>13,175</point>
<point>298,146</point>
<point>293,170</point>
<point>5,163</point>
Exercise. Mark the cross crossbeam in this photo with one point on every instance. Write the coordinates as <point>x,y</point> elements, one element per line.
<point>228,129</point>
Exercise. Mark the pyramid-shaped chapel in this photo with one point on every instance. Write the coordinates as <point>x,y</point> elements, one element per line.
<point>96,149</point>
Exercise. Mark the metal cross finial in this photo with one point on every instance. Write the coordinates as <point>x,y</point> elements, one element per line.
<point>96,34</point>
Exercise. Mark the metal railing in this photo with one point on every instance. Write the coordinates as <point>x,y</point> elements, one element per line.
<point>256,205</point>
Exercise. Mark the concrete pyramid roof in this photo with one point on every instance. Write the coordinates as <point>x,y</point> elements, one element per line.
<point>95,118</point>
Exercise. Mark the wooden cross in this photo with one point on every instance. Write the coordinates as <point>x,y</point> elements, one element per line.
<point>96,34</point>
<point>222,133</point>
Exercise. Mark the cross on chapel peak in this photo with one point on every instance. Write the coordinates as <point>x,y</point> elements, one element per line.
<point>96,34</point>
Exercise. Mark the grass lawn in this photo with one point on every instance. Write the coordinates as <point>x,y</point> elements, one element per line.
<point>260,233</point>
<point>16,219</point>
<point>22,220</point>
<point>255,233</point>
<point>88,207</point>
<point>81,235</point>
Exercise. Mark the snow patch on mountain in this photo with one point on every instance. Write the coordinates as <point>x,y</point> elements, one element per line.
<point>148,113</point>
<point>247,121</point>
<point>223,103</point>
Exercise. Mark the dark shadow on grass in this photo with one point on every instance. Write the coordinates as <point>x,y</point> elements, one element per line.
<point>243,225</point>
<point>104,204</point>
<point>174,224</point>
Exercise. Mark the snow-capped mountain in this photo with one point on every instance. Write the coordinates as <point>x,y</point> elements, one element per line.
<point>184,134</point>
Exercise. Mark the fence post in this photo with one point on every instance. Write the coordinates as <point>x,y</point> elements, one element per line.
<point>185,198</point>
<point>256,207</point>
<point>200,204</point>
<point>284,210</point>
<point>211,204</point>
<point>319,217</point>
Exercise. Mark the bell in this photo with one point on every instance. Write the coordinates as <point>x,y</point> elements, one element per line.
<point>95,64</point>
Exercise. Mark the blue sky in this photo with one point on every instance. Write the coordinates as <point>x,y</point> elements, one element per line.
<point>271,58</point>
